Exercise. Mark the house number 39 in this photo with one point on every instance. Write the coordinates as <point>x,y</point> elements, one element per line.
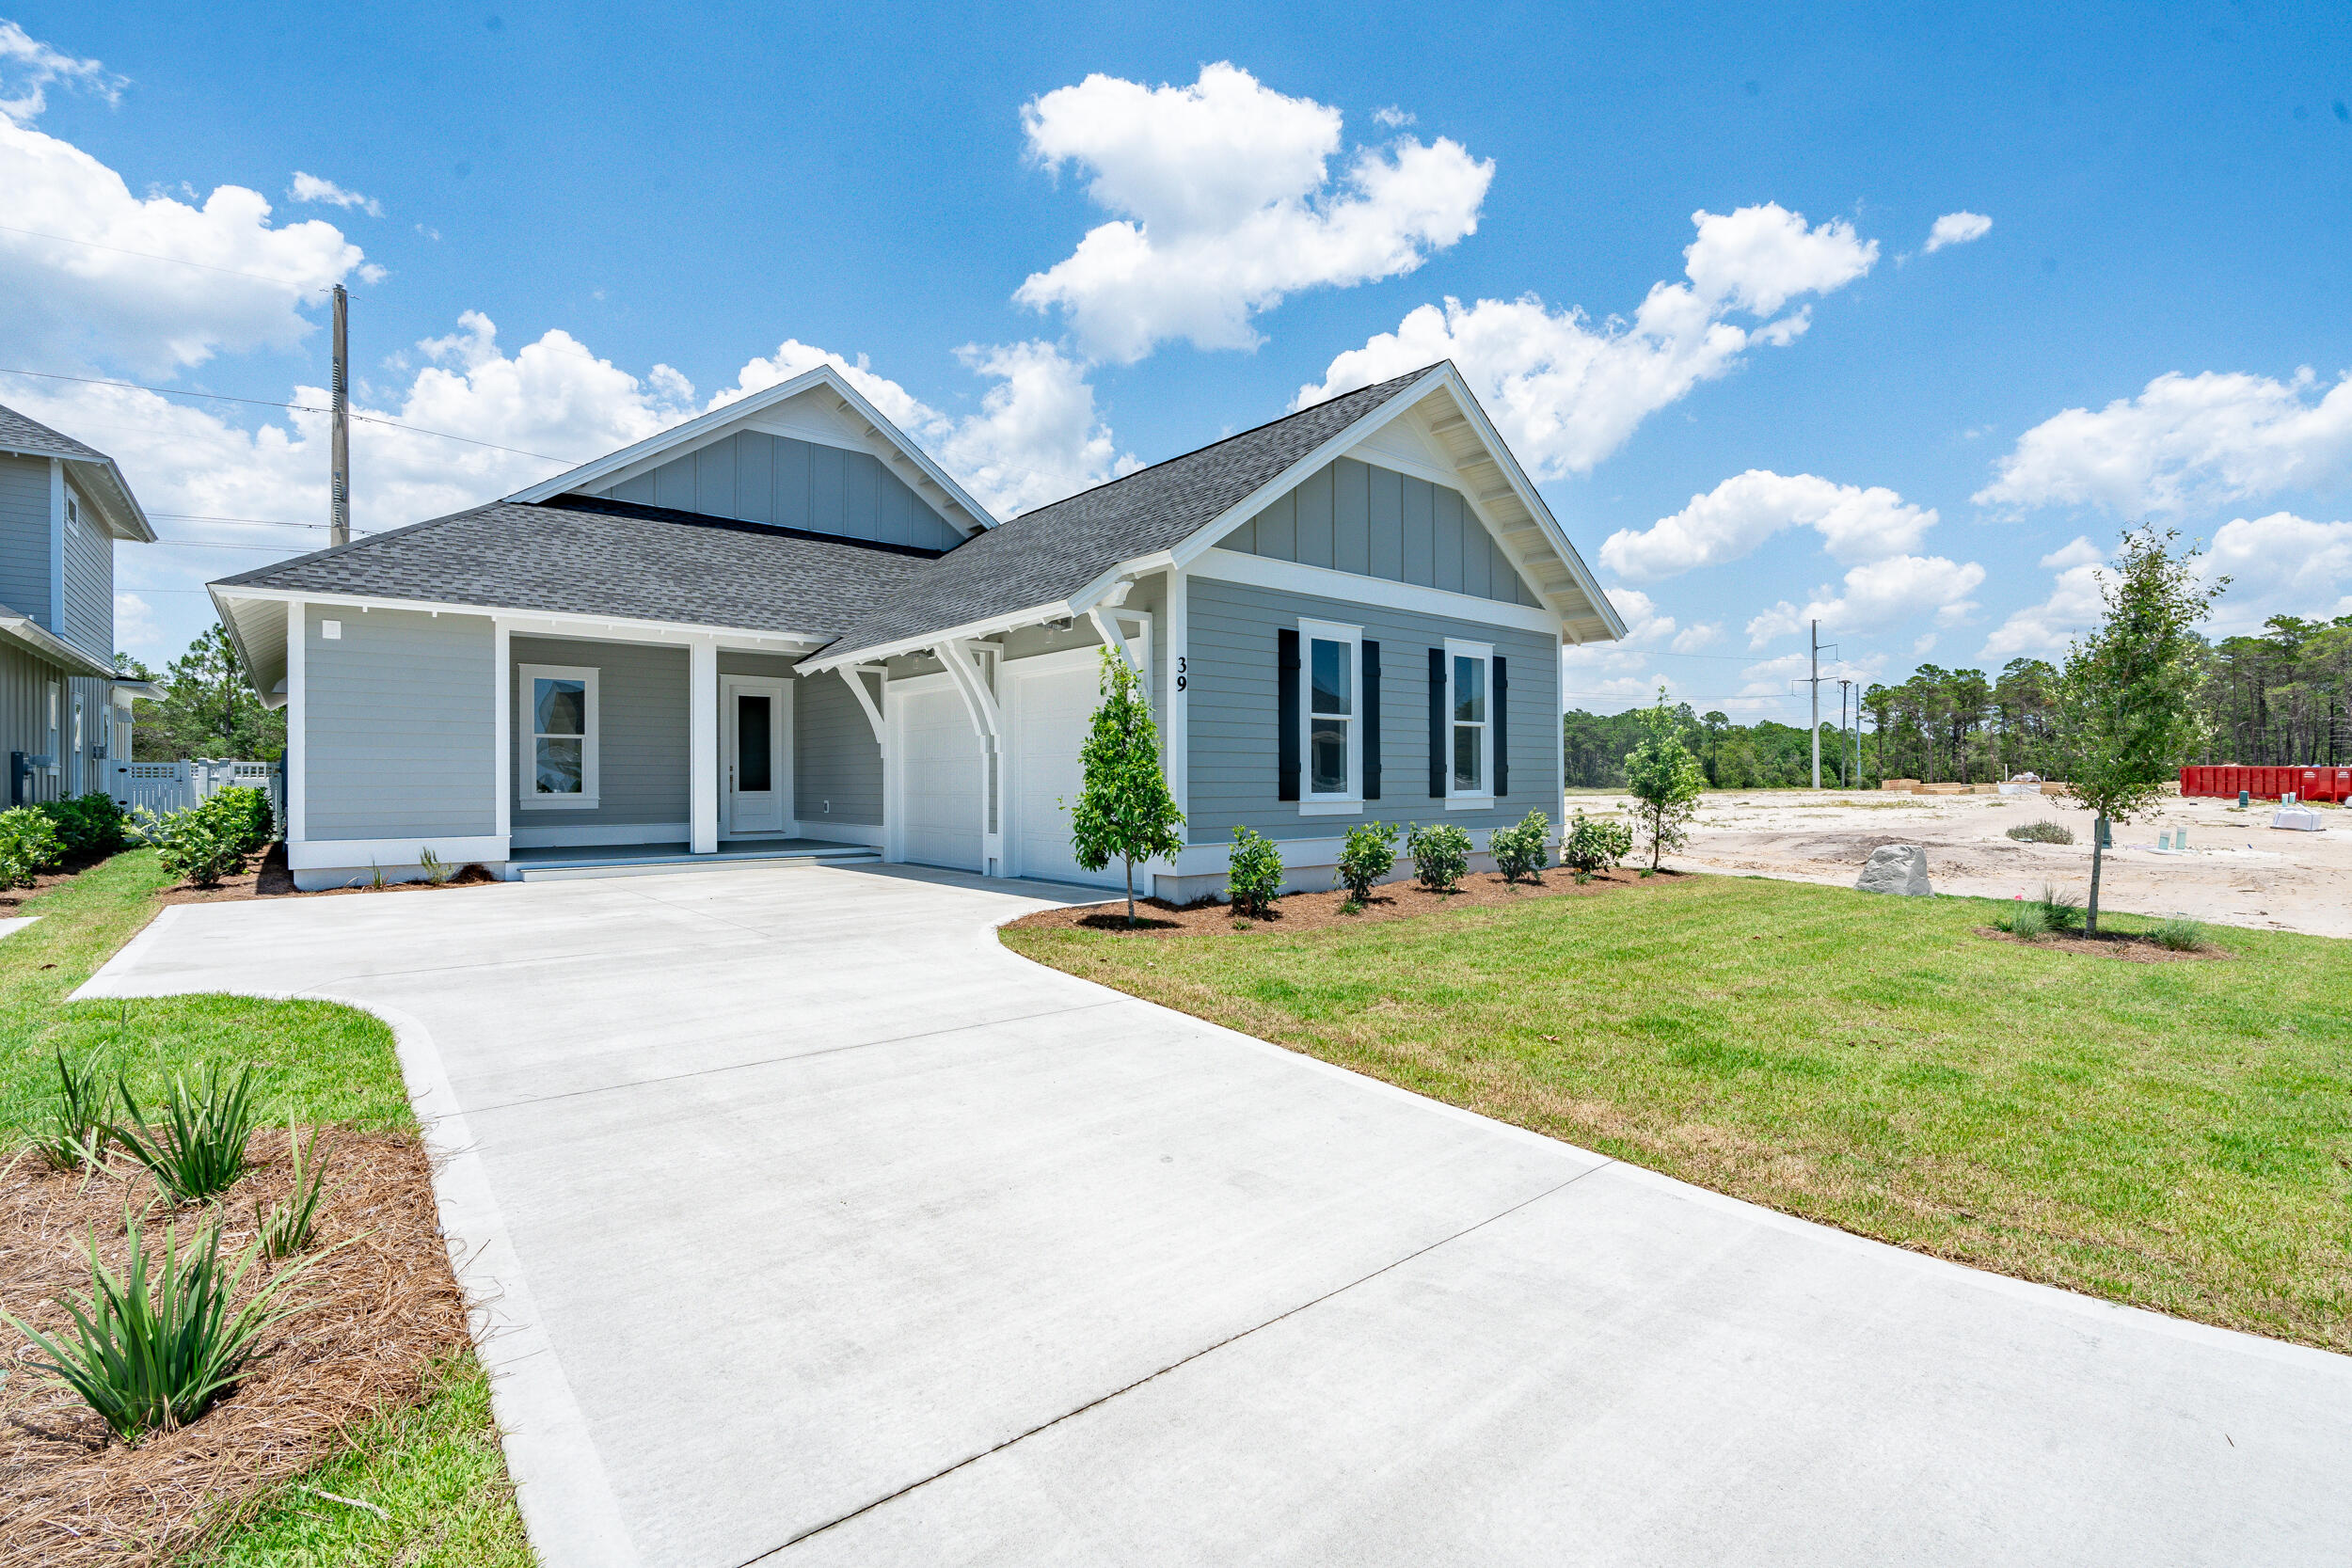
<point>1180,681</point>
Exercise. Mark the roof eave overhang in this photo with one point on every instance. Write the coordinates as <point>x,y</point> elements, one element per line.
<point>124,517</point>
<point>703,424</point>
<point>38,639</point>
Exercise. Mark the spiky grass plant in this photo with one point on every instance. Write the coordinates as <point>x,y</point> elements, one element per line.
<point>292,1223</point>
<point>437,870</point>
<point>2044,831</point>
<point>2181,934</point>
<point>197,1150</point>
<point>2061,911</point>
<point>153,1347</point>
<point>2026,922</point>
<point>73,1135</point>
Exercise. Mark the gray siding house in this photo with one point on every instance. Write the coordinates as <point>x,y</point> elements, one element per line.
<point>782,630</point>
<point>65,719</point>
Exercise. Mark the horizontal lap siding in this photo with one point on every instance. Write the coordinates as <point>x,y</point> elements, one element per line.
<point>25,516</point>
<point>399,726</point>
<point>1357,518</point>
<point>24,715</point>
<point>837,765</point>
<point>89,584</point>
<point>803,485</point>
<point>1232,701</point>
<point>642,772</point>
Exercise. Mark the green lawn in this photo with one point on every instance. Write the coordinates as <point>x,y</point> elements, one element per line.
<point>437,1469</point>
<point>2174,1135</point>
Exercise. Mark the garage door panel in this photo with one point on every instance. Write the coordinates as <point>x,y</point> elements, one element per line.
<point>939,782</point>
<point>1051,715</point>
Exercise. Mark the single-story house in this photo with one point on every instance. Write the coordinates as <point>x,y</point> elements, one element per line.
<point>781,629</point>
<point>65,716</point>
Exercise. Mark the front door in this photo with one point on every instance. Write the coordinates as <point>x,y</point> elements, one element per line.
<point>755,720</point>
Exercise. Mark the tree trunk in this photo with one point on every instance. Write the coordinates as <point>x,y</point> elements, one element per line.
<point>2098,852</point>
<point>1131,889</point>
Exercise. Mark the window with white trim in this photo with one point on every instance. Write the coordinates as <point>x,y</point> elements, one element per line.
<point>1333,742</point>
<point>1469,676</point>
<point>559,735</point>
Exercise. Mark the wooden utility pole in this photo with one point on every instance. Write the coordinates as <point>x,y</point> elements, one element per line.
<point>1817,697</point>
<point>338,498</point>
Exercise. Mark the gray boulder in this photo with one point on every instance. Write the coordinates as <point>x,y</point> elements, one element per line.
<point>1897,868</point>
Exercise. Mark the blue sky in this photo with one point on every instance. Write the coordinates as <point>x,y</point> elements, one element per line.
<point>1063,241</point>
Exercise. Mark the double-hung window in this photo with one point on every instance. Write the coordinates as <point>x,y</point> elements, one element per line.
<point>559,735</point>
<point>1332,716</point>
<point>1470,673</point>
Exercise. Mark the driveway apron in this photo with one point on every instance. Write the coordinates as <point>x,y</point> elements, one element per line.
<point>809,1226</point>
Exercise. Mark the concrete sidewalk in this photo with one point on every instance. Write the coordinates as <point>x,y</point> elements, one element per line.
<point>818,1228</point>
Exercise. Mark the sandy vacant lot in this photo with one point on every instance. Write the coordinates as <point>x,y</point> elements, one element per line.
<point>2238,870</point>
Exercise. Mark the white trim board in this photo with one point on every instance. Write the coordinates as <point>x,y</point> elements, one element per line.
<point>1322,582</point>
<point>556,836</point>
<point>392,853</point>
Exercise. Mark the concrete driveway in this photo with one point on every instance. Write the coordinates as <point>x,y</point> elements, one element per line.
<point>817,1228</point>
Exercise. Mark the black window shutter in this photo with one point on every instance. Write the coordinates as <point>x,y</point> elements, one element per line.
<point>1501,722</point>
<point>1286,679</point>
<point>1436,724</point>
<point>1371,719</point>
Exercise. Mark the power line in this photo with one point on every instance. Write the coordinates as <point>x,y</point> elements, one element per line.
<point>298,407</point>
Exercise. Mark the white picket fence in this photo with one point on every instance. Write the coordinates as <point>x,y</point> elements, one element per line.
<point>162,786</point>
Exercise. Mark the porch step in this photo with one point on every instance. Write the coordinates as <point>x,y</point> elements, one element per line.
<point>666,863</point>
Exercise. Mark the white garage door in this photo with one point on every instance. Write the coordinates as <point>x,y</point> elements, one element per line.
<point>1051,714</point>
<point>939,780</point>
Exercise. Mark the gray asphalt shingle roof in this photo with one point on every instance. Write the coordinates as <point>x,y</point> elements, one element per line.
<point>19,433</point>
<point>637,563</point>
<point>592,557</point>
<point>1053,552</point>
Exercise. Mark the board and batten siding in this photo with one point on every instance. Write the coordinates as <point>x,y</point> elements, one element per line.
<point>1232,699</point>
<point>25,527</point>
<point>1375,522</point>
<point>398,726</point>
<point>89,583</point>
<point>791,483</point>
<point>644,772</point>
<point>836,763</point>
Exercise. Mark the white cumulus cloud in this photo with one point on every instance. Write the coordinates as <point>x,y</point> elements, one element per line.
<point>1956,229</point>
<point>310,187</point>
<point>2186,441</point>
<point>29,67</point>
<point>88,283</point>
<point>2280,564</point>
<point>1879,594</point>
<point>1741,513</point>
<point>1226,205</point>
<point>2043,631</point>
<point>1566,391</point>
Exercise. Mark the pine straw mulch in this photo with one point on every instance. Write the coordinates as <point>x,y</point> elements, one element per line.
<point>388,1305</point>
<point>1308,911</point>
<point>2137,948</point>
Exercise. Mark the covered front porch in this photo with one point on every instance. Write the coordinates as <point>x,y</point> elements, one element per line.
<point>621,860</point>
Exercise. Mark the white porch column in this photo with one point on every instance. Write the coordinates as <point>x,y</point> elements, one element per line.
<point>702,691</point>
<point>297,726</point>
<point>503,728</point>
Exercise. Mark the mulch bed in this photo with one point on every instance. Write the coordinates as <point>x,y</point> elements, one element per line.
<point>70,1492</point>
<point>270,878</point>
<point>1308,911</point>
<point>2131,946</point>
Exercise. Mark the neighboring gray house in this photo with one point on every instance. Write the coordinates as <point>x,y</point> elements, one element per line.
<point>63,715</point>
<point>782,629</point>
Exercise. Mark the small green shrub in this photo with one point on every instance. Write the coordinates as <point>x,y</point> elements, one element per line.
<point>200,845</point>
<point>2043,832</point>
<point>292,1223</point>
<point>1253,873</point>
<point>1369,854</point>
<point>28,845</point>
<point>198,1150</point>
<point>74,1132</point>
<point>437,870</point>
<point>1441,854</point>
<point>242,813</point>
<point>2181,934</point>
<point>2062,912</point>
<point>152,1350</point>
<point>89,826</point>
<point>2026,922</point>
<point>1595,843</point>
<point>1522,851</point>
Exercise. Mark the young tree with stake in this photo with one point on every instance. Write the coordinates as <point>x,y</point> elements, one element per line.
<point>2128,710</point>
<point>1125,811</point>
<point>1665,778</point>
